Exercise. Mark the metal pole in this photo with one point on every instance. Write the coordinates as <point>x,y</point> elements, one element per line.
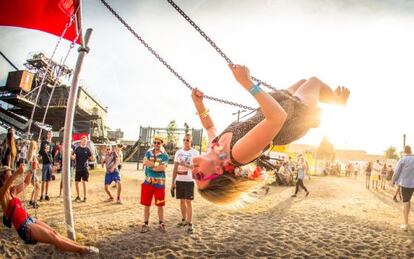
<point>404,137</point>
<point>67,137</point>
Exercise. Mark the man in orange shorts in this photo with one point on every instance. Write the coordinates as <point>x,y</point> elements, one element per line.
<point>155,162</point>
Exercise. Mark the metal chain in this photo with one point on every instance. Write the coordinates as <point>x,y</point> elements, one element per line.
<point>59,73</point>
<point>212,43</point>
<point>68,24</point>
<point>155,54</point>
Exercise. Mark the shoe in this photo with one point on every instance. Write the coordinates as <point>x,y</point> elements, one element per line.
<point>145,228</point>
<point>47,198</point>
<point>404,227</point>
<point>190,229</point>
<point>84,199</point>
<point>77,199</point>
<point>119,201</point>
<point>293,196</point>
<point>35,205</point>
<point>41,198</point>
<point>30,202</point>
<point>162,227</point>
<point>182,224</point>
<point>91,250</point>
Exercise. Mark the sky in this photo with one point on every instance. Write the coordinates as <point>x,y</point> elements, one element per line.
<point>365,45</point>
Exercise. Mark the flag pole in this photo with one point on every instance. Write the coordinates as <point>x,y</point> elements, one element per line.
<point>67,138</point>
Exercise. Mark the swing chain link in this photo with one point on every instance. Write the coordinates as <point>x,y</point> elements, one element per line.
<point>153,52</point>
<point>212,43</point>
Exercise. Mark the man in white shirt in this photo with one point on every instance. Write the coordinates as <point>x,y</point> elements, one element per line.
<point>183,182</point>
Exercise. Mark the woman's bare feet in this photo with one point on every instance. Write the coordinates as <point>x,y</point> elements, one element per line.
<point>342,95</point>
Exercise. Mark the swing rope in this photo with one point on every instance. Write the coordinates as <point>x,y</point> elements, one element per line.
<point>62,63</point>
<point>156,55</point>
<point>39,88</point>
<point>212,43</point>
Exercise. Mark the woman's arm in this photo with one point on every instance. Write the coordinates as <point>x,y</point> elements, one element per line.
<point>251,145</point>
<point>203,113</point>
<point>10,181</point>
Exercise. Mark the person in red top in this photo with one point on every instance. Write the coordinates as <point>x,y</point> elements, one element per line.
<point>31,230</point>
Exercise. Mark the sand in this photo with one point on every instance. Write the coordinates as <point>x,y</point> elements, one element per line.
<point>340,219</point>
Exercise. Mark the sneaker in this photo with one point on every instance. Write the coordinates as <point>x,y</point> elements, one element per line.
<point>91,250</point>
<point>182,224</point>
<point>144,228</point>
<point>190,229</point>
<point>31,203</point>
<point>47,198</point>
<point>84,199</point>
<point>35,205</point>
<point>77,199</point>
<point>162,227</point>
<point>41,198</point>
<point>119,201</point>
<point>404,227</point>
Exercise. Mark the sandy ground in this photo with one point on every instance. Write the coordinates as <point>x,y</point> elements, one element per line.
<point>339,219</point>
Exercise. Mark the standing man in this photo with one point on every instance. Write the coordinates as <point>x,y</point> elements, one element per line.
<point>82,155</point>
<point>404,177</point>
<point>111,161</point>
<point>47,162</point>
<point>301,168</point>
<point>183,182</point>
<point>155,162</point>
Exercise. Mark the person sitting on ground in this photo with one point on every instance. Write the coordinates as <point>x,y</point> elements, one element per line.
<point>284,116</point>
<point>30,229</point>
<point>111,161</point>
<point>404,177</point>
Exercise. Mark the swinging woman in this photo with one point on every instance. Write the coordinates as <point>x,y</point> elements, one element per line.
<point>31,230</point>
<point>284,116</point>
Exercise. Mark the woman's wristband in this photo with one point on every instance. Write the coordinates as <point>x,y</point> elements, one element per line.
<point>203,114</point>
<point>255,89</point>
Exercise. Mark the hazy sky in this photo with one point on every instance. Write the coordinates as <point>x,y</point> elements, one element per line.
<point>364,45</point>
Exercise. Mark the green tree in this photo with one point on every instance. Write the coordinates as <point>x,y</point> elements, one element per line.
<point>325,150</point>
<point>391,153</point>
<point>171,134</point>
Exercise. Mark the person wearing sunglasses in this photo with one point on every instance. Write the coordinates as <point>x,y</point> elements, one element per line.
<point>283,117</point>
<point>111,161</point>
<point>155,162</point>
<point>183,182</point>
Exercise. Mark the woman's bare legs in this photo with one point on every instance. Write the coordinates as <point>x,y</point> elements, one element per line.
<point>313,91</point>
<point>44,234</point>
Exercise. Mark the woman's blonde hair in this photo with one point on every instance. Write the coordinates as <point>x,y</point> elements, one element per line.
<point>31,154</point>
<point>227,189</point>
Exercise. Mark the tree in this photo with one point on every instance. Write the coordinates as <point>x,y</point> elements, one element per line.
<point>171,136</point>
<point>391,153</point>
<point>325,150</point>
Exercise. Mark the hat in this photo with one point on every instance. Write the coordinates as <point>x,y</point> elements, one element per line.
<point>4,168</point>
<point>159,138</point>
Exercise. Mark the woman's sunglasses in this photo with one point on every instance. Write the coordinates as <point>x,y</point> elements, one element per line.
<point>156,143</point>
<point>201,177</point>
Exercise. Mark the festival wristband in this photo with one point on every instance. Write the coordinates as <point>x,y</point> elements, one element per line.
<point>255,89</point>
<point>204,114</point>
